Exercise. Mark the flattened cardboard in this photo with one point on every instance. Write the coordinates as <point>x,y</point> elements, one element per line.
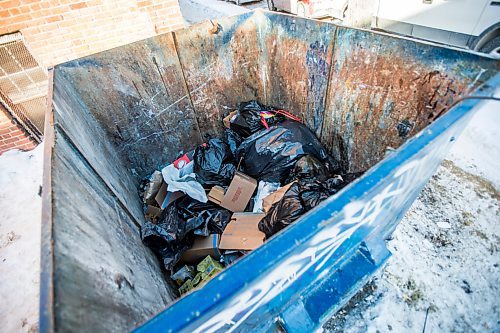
<point>243,233</point>
<point>165,198</point>
<point>202,247</point>
<point>274,197</point>
<point>239,192</point>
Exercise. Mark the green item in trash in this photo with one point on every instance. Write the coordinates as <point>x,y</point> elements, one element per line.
<point>184,273</point>
<point>198,277</point>
<point>208,265</point>
<point>186,287</point>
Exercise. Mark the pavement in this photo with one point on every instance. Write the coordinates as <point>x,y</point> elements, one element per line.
<point>195,11</point>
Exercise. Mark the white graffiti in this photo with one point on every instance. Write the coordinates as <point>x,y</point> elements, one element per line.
<point>383,202</point>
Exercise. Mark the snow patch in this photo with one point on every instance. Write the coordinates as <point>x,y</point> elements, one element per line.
<point>20,211</point>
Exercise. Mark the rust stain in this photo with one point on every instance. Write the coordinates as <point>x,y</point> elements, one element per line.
<point>287,74</point>
<point>378,101</point>
<point>221,71</point>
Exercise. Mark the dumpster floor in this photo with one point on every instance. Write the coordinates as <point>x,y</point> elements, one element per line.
<point>449,227</point>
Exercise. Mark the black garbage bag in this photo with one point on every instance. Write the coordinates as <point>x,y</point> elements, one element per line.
<point>171,227</point>
<point>300,198</point>
<point>214,163</point>
<point>171,254</point>
<point>232,139</point>
<point>252,117</point>
<point>177,225</point>
<point>283,212</point>
<point>168,238</point>
<point>270,155</point>
<point>208,217</point>
<point>308,167</point>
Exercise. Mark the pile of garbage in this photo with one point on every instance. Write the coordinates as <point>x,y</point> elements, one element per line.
<point>214,204</point>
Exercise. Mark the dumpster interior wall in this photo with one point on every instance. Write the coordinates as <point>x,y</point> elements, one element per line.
<point>123,113</point>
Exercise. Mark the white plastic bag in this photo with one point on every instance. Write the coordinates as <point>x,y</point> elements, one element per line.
<point>184,180</point>
<point>263,191</point>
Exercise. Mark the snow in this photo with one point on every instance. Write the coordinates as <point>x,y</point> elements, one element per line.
<point>478,150</point>
<point>20,229</point>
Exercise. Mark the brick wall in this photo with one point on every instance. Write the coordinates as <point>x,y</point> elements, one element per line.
<point>12,135</point>
<point>61,30</point>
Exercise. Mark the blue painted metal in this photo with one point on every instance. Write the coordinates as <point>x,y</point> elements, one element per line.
<point>337,246</point>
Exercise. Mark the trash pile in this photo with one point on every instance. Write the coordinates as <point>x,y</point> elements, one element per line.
<point>216,203</point>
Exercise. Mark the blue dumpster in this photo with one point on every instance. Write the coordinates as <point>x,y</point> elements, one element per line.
<point>381,103</point>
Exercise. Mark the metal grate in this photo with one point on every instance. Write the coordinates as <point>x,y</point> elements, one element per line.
<point>23,84</point>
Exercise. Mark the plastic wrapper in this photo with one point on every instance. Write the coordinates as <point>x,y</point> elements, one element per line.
<point>308,167</point>
<point>214,163</point>
<point>230,256</point>
<point>270,155</point>
<point>232,139</point>
<point>284,212</point>
<point>169,237</point>
<point>173,234</point>
<point>184,180</point>
<point>301,197</point>
<point>208,217</point>
<point>252,117</point>
<point>263,190</point>
<point>184,273</point>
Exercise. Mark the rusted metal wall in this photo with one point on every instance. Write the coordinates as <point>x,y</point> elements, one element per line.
<point>384,89</point>
<point>221,64</point>
<point>359,91</point>
<point>78,124</point>
<point>105,279</point>
<point>137,94</point>
<point>296,65</point>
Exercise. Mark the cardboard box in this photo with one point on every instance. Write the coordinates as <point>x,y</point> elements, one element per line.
<point>216,195</point>
<point>165,198</point>
<point>243,233</point>
<point>153,211</point>
<point>202,247</point>
<point>227,120</point>
<point>237,195</point>
<point>274,197</point>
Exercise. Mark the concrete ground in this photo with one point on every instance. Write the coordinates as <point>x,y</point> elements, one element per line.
<point>199,10</point>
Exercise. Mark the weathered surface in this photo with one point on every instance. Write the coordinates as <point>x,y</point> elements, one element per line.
<point>74,118</point>
<point>122,113</point>
<point>296,64</point>
<point>384,90</point>
<point>106,280</point>
<point>221,69</point>
<point>137,93</point>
